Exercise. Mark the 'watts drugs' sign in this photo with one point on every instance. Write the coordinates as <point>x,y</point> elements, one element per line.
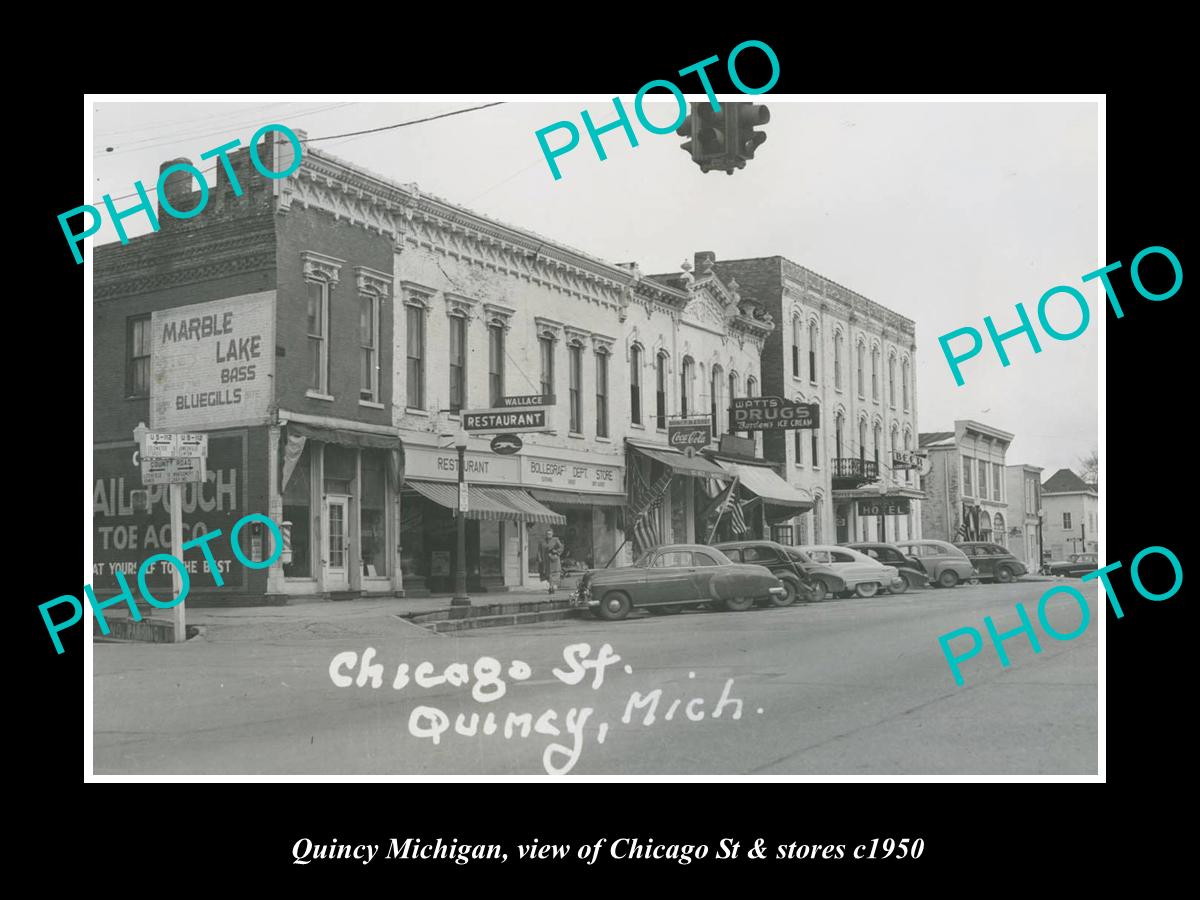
<point>211,363</point>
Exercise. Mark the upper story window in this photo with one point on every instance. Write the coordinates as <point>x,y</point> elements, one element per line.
<point>997,480</point>
<point>837,361</point>
<point>878,430</point>
<point>968,469</point>
<point>862,440</point>
<point>838,440</point>
<point>892,382</point>
<point>575,357</point>
<point>862,356</point>
<point>1067,520</point>
<point>546,353</point>
<point>660,390</point>
<point>752,391</point>
<point>797,328</point>
<point>414,326</point>
<point>495,363</point>
<point>601,393</point>
<point>874,373</point>
<point>716,391</point>
<point>908,473</point>
<point>635,384</point>
<point>368,343</point>
<point>685,385</point>
<point>137,356</point>
<point>318,336</point>
<point>733,392</point>
<point>904,383</point>
<point>458,363</point>
<point>812,352</point>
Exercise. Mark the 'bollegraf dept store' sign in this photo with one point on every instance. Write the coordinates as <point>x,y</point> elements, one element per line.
<point>211,363</point>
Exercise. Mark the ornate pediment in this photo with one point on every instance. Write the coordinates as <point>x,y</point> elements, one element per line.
<point>322,267</point>
<point>370,281</point>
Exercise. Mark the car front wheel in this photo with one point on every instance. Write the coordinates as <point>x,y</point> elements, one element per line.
<point>899,585</point>
<point>867,589</point>
<point>615,606</point>
<point>1004,575</point>
<point>819,590</point>
<point>792,592</point>
<point>738,604</point>
<point>948,579</point>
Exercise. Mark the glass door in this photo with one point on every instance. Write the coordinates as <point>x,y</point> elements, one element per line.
<point>337,543</point>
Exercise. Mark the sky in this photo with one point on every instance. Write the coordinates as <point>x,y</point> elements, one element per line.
<point>943,212</point>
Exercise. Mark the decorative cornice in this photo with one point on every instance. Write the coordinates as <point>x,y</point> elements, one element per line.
<point>576,335</point>
<point>458,305</point>
<point>371,281</point>
<point>495,312</point>
<point>548,327</point>
<point>417,293</point>
<point>319,266</point>
<point>602,343</point>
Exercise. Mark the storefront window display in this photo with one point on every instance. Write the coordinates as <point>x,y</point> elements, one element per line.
<point>374,513</point>
<point>297,509</point>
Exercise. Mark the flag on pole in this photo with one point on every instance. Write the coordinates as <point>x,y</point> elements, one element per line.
<point>645,513</point>
<point>737,518</point>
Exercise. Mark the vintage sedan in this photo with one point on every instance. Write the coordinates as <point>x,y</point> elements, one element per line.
<point>912,573</point>
<point>803,578</point>
<point>992,562</point>
<point>673,577</point>
<point>863,575</point>
<point>1074,566</point>
<point>945,564</point>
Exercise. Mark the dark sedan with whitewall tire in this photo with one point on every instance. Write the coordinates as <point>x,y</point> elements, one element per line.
<point>674,577</point>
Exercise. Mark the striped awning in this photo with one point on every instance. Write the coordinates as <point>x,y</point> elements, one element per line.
<point>577,498</point>
<point>488,502</point>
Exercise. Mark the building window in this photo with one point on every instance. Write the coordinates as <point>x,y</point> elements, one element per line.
<point>892,382</point>
<point>895,444</point>
<point>601,393</point>
<point>798,439</point>
<point>373,521</point>
<point>546,348</point>
<point>458,363</point>
<point>137,356</point>
<point>812,352</point>
<point>815,457</point>
<point>968,468</point>
<point>983,479</point>
<point>318,331</point>
<point>1001,536</point>
<point>685,386</point>
<point>837,361</point>
<point>781,534</point>
<point>415,373</point>
<point>297,509</point>
<point>908,475</point>
<point>716,388</point>
<point>837,436</point>
<point>985,526</point>
<point>862,442</point>
<point>997,479</point>
<point>495,364</point>
<point>796,328</point>
<point>862,356</point>
<point>904,384</point>
<point>575,354</point>
<point>660,390</point>
<point>818,513</point>
<point>635,384</point>
<point>751,391</point>
<point>1066,521</point>
<point>733,388</point>
<point>368,342</point>
<point>876,435</point>
<point>874,373</point>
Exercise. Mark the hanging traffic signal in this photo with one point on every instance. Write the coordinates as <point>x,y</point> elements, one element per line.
<point>749,115</point>
<point>723,139</point>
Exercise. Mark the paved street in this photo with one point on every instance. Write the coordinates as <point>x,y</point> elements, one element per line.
<point>843,687</point>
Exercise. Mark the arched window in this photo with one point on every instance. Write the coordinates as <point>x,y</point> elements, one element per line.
<point>814,457</point>
<point>839,430</point>
<point>797,330</point>
<point>752,391</point>
<point>733,392</point>
<point>874,373</point>
<point>862,441</point>
<point>635,384</point>
<point>660,390</point>
<point>685,385</point>
<point>818,512</point>
<point>575,386</point>
<point>812,352</point>
<point>878,430</point>
<point>904,383</point>
<point>892,380</point>
<point>715,393</point>
<point>837,360</point>
<point>985,526</point>
<point>1000,537</point>
<point>895,445</point>
<point>908,446</point>
<point>862,358</point>
<point>798,440</point>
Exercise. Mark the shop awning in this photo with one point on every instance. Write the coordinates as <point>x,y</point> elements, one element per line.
<point>488,502</point>
<point>577,498</point>
<point>685,465</point>
<point>346,437</point>
<point>774,490</point>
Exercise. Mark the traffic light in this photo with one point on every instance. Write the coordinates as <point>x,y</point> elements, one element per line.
<point>725,139</point>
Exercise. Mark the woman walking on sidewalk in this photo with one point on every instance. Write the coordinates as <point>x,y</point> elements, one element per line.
<point>550,559</point>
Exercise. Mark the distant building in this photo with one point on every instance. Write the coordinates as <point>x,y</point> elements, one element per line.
<point>1024,485</point>
<point>1072,507</point>
<point>965,489</point>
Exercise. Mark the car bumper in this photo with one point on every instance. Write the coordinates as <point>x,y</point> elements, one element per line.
<point>778,591</point>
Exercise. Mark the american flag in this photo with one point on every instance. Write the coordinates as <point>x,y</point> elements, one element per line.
<point>737,517</point>
<point>645,518</point>
<point>968,530</point>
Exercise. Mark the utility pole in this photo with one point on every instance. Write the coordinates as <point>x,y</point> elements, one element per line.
<point>461,598</point>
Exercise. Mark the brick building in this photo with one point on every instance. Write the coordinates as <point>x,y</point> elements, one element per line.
<point>965,487</point>
<point>855,359</point>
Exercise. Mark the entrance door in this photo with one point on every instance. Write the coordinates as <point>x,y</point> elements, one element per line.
<point>337,542</point>
<point>842,515</point>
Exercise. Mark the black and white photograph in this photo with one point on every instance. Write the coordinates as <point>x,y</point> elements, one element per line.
<point>687,434</point>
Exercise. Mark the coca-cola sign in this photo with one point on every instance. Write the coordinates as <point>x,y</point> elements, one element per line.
<point>683,434</point>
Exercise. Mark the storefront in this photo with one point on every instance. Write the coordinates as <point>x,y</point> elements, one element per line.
<point>686,501</point>
<point>768,503</point>
<point>868,514</point>
<point>590,497</point>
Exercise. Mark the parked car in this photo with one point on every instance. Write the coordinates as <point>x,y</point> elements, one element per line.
<point>673,577</point>
<point>992,562</point>
<point>912,574</point>
<point>804,578</point>
<point>944,563</point>
<point>863,575</point>
<point>1074,566</point>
